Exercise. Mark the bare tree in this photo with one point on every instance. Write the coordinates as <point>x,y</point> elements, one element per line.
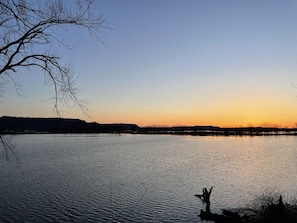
<point>28,30</point>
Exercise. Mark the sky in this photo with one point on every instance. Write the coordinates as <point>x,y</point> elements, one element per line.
<point>225,63</point>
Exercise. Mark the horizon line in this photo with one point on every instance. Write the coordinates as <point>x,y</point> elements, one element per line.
<point>265,125</point>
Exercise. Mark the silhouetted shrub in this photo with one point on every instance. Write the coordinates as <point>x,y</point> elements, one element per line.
<point>269,207</point>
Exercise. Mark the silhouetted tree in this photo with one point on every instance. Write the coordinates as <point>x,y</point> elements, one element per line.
<point>28,31</point>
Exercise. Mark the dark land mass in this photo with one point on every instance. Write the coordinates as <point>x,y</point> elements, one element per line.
<point>18,125</point>
<point>21,125</point>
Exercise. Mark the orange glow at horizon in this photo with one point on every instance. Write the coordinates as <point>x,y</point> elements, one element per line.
<point>233,113</point>
<point>221,120</point>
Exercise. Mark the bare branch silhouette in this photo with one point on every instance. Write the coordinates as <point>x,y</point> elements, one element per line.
<point>8,148</point>
<point>26,30</point>
<point>27,33</point>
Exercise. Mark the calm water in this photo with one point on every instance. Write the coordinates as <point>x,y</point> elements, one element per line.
<point>139,178</point>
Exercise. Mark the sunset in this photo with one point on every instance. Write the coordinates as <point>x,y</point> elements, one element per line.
<point>148,111</point>
<point>222,63</point>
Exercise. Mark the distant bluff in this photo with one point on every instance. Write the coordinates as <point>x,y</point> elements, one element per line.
<point>14,125</point>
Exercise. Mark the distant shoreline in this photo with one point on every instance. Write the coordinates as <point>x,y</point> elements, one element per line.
<point>21,125</point>
<point>217,131</point>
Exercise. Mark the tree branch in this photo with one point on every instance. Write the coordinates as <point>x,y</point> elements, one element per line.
<point>27,26</point>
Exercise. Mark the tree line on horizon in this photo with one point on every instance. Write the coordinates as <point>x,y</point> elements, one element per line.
<point>15,125</point>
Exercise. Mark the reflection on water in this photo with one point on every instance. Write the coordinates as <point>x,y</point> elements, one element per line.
<point>139,178</point>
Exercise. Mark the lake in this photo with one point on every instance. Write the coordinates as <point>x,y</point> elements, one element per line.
<point>139,178</point>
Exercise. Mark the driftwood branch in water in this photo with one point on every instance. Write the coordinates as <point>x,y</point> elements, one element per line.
<point>205,197</point>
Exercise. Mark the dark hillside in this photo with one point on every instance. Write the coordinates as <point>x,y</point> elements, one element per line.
<point>59,125</point>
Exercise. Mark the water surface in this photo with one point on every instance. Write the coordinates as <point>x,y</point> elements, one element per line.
<point>139,178</point>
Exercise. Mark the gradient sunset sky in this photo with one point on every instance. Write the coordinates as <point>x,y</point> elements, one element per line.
<point>178,62</point>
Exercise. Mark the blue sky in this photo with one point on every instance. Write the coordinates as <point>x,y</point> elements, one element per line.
<point>226,63</point>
